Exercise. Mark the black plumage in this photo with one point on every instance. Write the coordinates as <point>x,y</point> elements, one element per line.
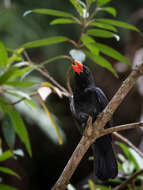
<point>88,100</point>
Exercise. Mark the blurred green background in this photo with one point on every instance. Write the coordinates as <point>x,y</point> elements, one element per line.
<point>49,158</point>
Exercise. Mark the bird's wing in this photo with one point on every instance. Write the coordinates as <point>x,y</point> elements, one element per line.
<point>101,98</point>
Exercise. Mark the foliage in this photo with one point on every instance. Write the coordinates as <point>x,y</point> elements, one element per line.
<point>127,166</point>
<point>14,69</point>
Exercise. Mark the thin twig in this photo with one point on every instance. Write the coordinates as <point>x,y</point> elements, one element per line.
<point>129,180</point>
<point>97,127</point>
<point>24,98</point>
<point>68,80</point>
<point>128,142</point>
<point>120,128</point>
<point>47,75</point>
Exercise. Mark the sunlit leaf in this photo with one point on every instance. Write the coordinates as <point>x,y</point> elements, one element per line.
<point>9,171</point>
<point>15,56</point>
<point>101,61</point>
<point>117,23</point>
<point>100,33</point>
<point>7,187</point>
<point>8,75</point>
<point>137,157</point>
<point>91,185</point>
<point>8,131</point>
<point>18,125</point>
<point>21,83</point>
<point>128,154</point>
<point>49,12</point>
<point>3,55</point>
<point>102,2</point>
<point>128,167</point>
<point>30,103</point>
<point>90,44</point>
<point>45,42</point>
<point>77,6</point>
<point>6,155</point>
<point>112,53</point>
<point>109,10</point>
<point>62,21</point>
<point>12,73</point>
<point>104,26</point>
<point>101,187</point>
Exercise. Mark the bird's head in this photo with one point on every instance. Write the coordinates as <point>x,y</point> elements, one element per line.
<point>83,76</point>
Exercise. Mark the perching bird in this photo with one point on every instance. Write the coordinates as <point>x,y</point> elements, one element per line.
<point>88,100</point>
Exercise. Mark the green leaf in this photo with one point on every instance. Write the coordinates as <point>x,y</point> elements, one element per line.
<point>102,2</point>
<point>100,33</point>
<point>3,55</point>
<point>128,154</point>
<point>104,26</point>
<point>9,171</point>
<point>8,75</point>
<point>8,131</point>
<point>137,157</point>
<point>21,83</point>
<point>18,125</point>
<point>12,73</point>
<point>62,21</point>
<point>89,2</point>
<point>49,12</point>
<point>101,187</point>
<point>101,61</point>
<point>118,23</point>
<point>77,6</point>
<point>91,185</point>
<point>30,103</point>
<point>16,54</point>
<point>6,155</point>
<point>45,42</point>
<point>7,187</point>
<point>90,44</point>
<point>112,53</point>
<point>110,10</point>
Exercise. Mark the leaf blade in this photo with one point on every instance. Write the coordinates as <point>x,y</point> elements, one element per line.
<point>9,171</point>
<point>104,26</point>
<point>8,131</point>
<point>112,53</point>
<point>45,42</point>
<point>101,61</point>
<point>3,55</point>
<point>7,187</point>
<point>19,126</point>
<point>118,23</point>
<point>51,12</point>
<point>62,21</point>
<point>102,2</point>
<point>6,155</point>
<point>100,33</point>
<point>109,10</point>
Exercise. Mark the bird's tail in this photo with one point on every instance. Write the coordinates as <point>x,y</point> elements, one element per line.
<point>105,163</point>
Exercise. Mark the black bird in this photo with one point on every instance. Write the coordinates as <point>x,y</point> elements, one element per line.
<point>88,100</point>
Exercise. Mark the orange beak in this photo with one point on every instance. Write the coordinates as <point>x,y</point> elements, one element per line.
<point>78,67</point>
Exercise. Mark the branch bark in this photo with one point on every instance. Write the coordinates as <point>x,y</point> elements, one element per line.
<point>128,142</point>
<point>97,128</point>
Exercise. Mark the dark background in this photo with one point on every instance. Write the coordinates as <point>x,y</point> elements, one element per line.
<point>49,159</point>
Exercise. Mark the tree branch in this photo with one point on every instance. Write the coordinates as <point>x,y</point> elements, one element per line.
<point>128,142</point>
<point>96,128</point>
<point>129,180</point>
<point>120,128</point>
